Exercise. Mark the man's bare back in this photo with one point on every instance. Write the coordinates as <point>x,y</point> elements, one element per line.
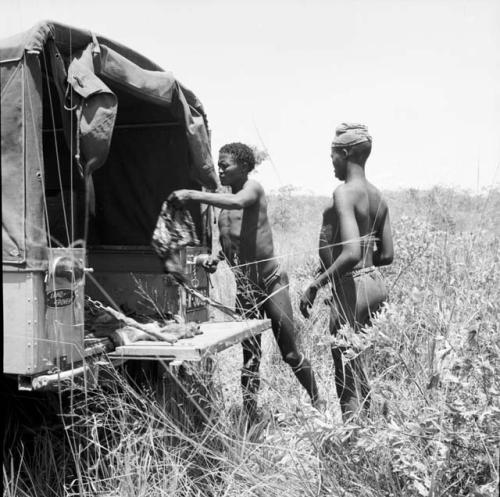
<point>371,213</point>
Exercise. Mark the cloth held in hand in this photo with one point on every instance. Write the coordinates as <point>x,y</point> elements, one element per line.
<point>174,231</point>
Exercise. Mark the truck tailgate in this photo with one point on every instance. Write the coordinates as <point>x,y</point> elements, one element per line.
<point>216,336</point>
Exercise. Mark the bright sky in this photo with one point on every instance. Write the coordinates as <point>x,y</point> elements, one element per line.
<point>424,75</point>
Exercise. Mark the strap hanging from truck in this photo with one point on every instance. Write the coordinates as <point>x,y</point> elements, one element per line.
<point>211,302</point>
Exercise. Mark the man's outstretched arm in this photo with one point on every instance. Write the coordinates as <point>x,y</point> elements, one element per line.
<point>247,196</point>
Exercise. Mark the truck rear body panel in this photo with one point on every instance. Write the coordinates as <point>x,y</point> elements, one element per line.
<point>134,280</point>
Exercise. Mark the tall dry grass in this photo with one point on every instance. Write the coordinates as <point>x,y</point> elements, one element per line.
<point>434,362</point>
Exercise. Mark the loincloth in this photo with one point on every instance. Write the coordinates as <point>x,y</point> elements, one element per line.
<point>359,272</point>
<point>357,296</point>
<point>253,288</point>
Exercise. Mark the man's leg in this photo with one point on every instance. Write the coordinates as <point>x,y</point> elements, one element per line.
<point>279,309</point>
<point>252,353</point>
<point>345,382</point>
<point>371,293</point>
<point>356,300</point>
<point>250,380</point>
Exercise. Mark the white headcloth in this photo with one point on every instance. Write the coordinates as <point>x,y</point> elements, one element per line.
<point>349,134</point>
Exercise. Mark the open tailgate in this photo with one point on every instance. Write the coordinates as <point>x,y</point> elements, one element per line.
<point>216,336</point>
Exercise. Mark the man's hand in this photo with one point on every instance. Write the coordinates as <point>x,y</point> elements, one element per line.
<point>179,197</point>
<point>210,264</point>
<point>307,300</point>
<point>174,268</point>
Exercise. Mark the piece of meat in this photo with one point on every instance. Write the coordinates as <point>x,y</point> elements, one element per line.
<point>182,330</point>
<point>123,330</point>
<point>125,335</point>
<point>106,322</point>
<point>128,335</point>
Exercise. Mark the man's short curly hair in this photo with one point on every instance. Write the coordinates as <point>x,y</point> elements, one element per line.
<point>243,154</point>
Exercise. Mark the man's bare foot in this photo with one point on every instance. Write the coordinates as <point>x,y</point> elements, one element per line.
<point>319,405</point>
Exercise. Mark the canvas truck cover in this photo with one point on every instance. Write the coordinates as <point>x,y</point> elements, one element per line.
<point>80,63</point>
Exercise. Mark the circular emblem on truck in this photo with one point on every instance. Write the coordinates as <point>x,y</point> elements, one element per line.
<point>60,298</point>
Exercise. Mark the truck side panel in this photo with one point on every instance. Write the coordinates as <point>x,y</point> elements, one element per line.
<point>43,318</point>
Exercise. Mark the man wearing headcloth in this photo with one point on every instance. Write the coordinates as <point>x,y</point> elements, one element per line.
<point>355,239</point>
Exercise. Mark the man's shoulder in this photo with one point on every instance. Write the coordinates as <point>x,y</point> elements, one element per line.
<point>346,192</point>
<point>373,188</point>
<point>254,185</point>
<point>340,189</point>
<point>376,194</point>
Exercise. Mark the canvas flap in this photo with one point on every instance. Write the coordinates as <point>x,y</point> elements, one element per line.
<point>13,189</point>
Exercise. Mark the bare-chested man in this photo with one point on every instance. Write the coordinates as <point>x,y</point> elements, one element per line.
<point>247,245</point>
<point>356,224</point>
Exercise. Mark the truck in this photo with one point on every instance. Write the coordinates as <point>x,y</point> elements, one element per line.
<point>95,136</point>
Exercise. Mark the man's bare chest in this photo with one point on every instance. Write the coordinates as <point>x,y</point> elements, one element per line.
<point>230,223</point>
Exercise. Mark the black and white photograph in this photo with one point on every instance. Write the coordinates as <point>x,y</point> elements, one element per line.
<point>250,249</point>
